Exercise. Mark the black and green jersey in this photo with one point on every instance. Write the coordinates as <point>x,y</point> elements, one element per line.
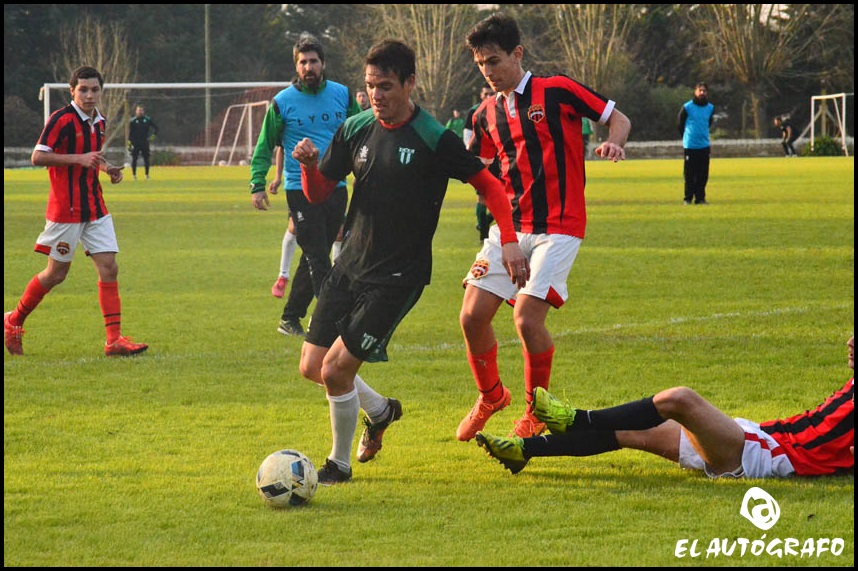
<point>400,179</point>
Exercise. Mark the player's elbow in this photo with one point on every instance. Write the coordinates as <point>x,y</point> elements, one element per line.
<point>38,158</point>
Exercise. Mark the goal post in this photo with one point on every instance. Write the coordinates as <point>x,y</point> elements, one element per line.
<point>819,111</point>
<point>245,127</point>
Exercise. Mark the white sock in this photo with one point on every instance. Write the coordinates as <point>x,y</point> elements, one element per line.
<point>372,403</point>
<point>344,417</point>
<point>336,249</point>
<point>287,251</point>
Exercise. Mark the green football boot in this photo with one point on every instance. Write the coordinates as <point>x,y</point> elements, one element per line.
<point>508,451</point>
<point>556,414</point>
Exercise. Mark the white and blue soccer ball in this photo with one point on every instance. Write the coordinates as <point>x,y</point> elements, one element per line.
<point>286,478</point>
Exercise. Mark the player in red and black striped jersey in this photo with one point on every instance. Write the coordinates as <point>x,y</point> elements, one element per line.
<point>533,127</point>
<point>682,426</point>
<point>71,148</point>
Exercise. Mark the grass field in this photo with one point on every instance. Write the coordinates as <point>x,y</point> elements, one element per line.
<point>150,461</point>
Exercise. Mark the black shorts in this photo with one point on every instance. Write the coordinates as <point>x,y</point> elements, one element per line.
<point>364,315</point>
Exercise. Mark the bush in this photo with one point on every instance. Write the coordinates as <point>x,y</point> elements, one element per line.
<point>166,158</point>
<point>823,147</point>
<point>21,125</point>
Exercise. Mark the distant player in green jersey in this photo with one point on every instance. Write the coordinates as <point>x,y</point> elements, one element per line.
<point>402,160</point>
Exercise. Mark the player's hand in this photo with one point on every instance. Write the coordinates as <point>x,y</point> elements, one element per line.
<point>274,186</point>
<point>516,263</point>
<point>305,152</point>
<point>611,151</point>
<point>260,200</point>
<point>92,160</point>
<point>115,174</point>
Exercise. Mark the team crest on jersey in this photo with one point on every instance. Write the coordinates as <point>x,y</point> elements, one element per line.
<point>536,113</point>
<point>479,269</point>
<point>405,155</point>
<point>367,342</point>
<point>63,248</point>
<point>362,154</point>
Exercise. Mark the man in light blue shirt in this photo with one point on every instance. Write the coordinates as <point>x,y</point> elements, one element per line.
<point>694,121</point>
<point>314,107</point>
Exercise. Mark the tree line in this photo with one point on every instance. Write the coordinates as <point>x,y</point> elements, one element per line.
<point>760,60</point>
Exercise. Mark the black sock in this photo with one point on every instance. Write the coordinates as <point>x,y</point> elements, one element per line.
<point>575,443</point>
<point>635,415</point>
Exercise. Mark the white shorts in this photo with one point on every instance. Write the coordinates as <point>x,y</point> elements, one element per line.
<point>59,240</point>
<point>762,457</point>
<point>551,257</point>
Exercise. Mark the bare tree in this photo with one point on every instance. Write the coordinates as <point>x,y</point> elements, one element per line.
<point>759,44</point>
<point>436,32</point>
<point>105,47</point>
<point>593,39</point>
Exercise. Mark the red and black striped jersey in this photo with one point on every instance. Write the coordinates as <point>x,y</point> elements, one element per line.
<point>817,441</point>
<point>76,194</point>
<point>541,150</point>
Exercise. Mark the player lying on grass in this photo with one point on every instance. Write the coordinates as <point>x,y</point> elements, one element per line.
<point>682,426</point>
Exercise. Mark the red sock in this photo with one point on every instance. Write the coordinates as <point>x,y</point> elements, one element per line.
<point>537,371</point>
<point>111,308</point>
<point>33,295</point>
<point>485,370</point>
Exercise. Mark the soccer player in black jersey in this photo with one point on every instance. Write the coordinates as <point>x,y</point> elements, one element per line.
<point>682,426</point>
<point>402,160</point>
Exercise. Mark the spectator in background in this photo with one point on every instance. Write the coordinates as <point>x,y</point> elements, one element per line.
<point>362,100</point>
<point>693,122</point>
<point>141,130</point>
<point>788,135</point>
<point>456,123</point>
<point>586,131</point>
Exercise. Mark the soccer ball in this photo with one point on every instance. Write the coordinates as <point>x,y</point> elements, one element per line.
<point>286,478</point>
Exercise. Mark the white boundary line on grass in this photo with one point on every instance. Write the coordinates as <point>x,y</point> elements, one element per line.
<point>616,326</point>
<point>460,346</point>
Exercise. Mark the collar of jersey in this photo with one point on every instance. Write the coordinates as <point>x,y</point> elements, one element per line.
<point>85,117</point>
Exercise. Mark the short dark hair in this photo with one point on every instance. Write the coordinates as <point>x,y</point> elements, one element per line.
<point>393,55</point>
<point>701,84</point>
<point>85,72</point>
<point>307,43</point>
<point>498,29</point>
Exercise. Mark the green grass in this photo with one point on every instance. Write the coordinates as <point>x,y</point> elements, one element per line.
<point>150,461</point>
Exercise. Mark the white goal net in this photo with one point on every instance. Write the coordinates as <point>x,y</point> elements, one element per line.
<point>829,112</point>
<point>197,123</point>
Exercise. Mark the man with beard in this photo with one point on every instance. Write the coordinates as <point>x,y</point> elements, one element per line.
<point>312,107</point>
<point>694,121</point>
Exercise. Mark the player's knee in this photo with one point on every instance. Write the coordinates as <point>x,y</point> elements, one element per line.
<point>470,320</point>
<point>310,370</point>
<point>674,402</point>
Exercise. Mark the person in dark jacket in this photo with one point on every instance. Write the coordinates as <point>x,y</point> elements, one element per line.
<point>141,130</point>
